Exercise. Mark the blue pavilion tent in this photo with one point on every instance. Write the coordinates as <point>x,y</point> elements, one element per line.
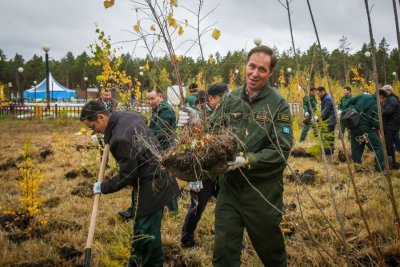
<point>56,90</point>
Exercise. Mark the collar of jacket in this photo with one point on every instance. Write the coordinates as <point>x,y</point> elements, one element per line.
<point>112,121</point>
<point>264,92</point>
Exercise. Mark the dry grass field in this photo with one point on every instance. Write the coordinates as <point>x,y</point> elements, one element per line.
<point>69,162</point>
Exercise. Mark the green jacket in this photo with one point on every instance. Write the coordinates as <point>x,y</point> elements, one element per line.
<point>344,103</point>
<point>264,128</point>
<point>367,105</point>
<point>306,105</point>
<point>191,100</point>
<point>163,124</point>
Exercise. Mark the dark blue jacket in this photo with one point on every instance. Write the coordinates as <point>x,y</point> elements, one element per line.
<point>327,111</point>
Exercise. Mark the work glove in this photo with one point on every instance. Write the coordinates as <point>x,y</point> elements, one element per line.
<point>196,186</point>
<point>315,118</point>
<point>339,113</point>
<point>306,114</point>
<point>97,188</point>
<point>94,138</point>
<point>186,115</point>
<point>183,118</point>
<point>237,163</point>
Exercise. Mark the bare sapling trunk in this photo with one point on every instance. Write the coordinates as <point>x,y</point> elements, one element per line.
<point>387,167</point>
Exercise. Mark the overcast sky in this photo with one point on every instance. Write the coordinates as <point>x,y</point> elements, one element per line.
<point>69,25</point>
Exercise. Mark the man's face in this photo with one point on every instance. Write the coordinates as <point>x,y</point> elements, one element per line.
<point>346,92</point>
<point>213,101</point>
<point>154,99</point>
<point>258,71</point>
<point>382,99</point>
<point>313,92</point>
<point>99,125</point>
<point>106,96</point>
<point>320,94</point>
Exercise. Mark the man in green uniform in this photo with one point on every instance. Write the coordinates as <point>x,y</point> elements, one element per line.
<point>309,107</point>
<point>366,131</point>
<point>162,125</point>
<point>191,99</point>
<point>344,106</point>
<point>251,190</point>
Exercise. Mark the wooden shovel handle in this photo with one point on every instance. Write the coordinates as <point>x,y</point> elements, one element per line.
<point>92,225</point>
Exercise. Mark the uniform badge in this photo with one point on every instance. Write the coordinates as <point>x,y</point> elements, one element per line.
<point>286,130</point>
<point>283,117</point>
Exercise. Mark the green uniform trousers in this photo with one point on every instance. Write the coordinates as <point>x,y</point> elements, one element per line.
<point>304,132</point>
<point>373,143</point>
<point>240,207</point>
<point>146,243</point>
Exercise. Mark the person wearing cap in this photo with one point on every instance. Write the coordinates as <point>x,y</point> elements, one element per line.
<point>162,125</point>
<point>251,191</point>
<point>202,191</point>
<point>125,132</point>
<point>343,107</point>
<point>365,134</point>
<point>391,121</point>
<point>309,108</point>
<point>191,99</point>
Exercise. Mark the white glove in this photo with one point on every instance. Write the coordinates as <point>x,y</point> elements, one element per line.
<point>94,138</point>
<point>196,186</point>
<point>188,115</point>
<point>306,114</point>
<point>237,163</point>
<point>97,188</point>
<point>183,118</point>
<point>339,113</point>
<point>315,118</point>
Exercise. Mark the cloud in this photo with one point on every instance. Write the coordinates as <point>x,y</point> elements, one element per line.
<point>70,25</point>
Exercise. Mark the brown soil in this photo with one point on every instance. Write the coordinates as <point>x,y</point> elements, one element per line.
<point>200,157</point>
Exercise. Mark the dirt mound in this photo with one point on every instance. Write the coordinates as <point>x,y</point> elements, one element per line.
<point>300,153</point>
<point>69,253</point>
<point>307,177</point>
<point>200,156</point>
<point>71,174</point>
<point>45,152</point>
<point>7,164</point>
<point>84,189</point>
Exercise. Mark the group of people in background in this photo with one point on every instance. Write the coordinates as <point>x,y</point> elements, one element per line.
<point>257,114</point>
<point>366,133</point>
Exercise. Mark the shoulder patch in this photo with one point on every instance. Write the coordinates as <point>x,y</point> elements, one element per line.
<point>282,117</point>
<point>286,130</point>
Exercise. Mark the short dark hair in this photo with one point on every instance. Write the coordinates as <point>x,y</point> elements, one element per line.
<point>265,50</point>
<point>313,89</point>
<point>348,88</point>
<point>201,98</point>
<point>383,93</point>
<point>193,87</point>
<point>157,89</point>
<point>91,109</point>
<point>321,89</point>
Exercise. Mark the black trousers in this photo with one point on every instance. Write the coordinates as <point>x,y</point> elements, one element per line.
<point>198,203</point>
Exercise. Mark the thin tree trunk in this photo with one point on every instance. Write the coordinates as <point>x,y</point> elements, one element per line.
<point>387,168</point>
<point>373,243</point>
<point>396,19</point>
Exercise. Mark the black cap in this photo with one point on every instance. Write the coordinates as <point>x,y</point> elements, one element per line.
<point>217,89</point>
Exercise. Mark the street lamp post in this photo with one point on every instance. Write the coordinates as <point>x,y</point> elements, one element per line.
<point>20,71</point>
<point>34,84</point>
<point>9,90</point>
<point>46,49</point>
<point>84,84</point>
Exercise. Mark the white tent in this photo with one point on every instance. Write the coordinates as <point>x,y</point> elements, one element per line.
<point>56,90</point>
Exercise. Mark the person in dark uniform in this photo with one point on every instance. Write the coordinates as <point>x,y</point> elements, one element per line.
<point>201,191</point>
<point>328,116</point>
<point>124,132</point>
<point>365,134</point>
<point>309,108</point>
<point>251,191</point>
<point>343,106</point>
<point>162,125</point>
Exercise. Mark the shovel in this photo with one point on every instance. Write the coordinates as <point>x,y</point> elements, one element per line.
<point>88,248</point>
